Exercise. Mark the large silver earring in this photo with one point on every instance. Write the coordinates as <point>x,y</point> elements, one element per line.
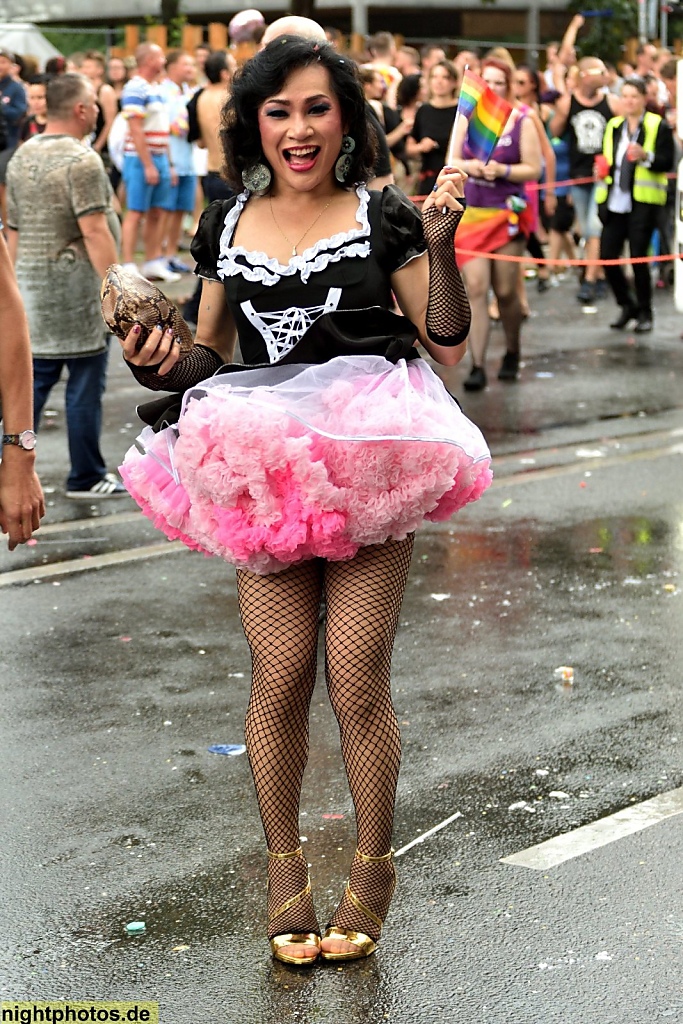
<point>344,161</point>
<point>257,178</point>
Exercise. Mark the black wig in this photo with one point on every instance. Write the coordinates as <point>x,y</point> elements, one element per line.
<point>264,76</point>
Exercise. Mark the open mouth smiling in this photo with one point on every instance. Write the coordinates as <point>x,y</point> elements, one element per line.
<point>301,156</point>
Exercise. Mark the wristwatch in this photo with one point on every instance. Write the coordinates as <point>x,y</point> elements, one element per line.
<point>26,439</point>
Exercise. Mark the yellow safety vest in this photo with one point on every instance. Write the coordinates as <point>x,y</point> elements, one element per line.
<point>648,187</point>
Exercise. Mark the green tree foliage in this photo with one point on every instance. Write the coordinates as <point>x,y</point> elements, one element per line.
<point>70,41</point>
<point>173,20</point>
<point>604,37</point>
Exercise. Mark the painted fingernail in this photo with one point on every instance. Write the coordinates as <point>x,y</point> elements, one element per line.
<point>159,327</point>
<point>136,328</point>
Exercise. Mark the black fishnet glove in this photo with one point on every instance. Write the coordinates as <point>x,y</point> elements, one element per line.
<point>201,362</point>
<point>448,309</point>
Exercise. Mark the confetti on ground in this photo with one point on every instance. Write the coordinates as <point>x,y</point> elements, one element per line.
<point>179,949</point>
<point>595,551</point>
<point>439,597</point>
<point>333,817</point>
<point>125,639</point>
<point>508,501</point>
<point>31,543</point>
<point>136,927</point>
<point>229,749</point>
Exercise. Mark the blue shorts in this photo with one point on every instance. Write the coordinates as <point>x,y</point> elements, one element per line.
<point>586,210</point>
<point>139,195</point>
<point>183,194</point>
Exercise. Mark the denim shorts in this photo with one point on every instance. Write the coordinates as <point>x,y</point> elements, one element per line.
<point>139,195</point>
<point>586,211</point>
<point>183,194</point>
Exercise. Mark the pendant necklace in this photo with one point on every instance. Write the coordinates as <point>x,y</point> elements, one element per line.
<point>289,240</point>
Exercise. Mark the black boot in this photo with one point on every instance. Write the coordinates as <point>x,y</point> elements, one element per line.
<point>509,368</point>
<point>476,380</point>
<point>644,324</point>
<point>627,313</point>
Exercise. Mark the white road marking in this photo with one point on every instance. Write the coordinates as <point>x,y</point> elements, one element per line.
<point>41,572</point>
<point>614,445</point>
<point>606,830</point>
<point>426,835</point>
<point>582,466</point>
<point>76,525</point>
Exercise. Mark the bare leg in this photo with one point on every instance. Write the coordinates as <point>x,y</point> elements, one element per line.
<point>592,250</point>
<point>129,235</point>
<point>153,233</point>
<point>504,278</point>
<point>172,229</point>
<point>477,276</point>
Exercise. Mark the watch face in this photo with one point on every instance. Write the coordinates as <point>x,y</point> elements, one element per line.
<point>27,440</point>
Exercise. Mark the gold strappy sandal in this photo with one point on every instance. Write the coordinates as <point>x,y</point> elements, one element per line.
<point>365,945</point>
<point>278,942</point>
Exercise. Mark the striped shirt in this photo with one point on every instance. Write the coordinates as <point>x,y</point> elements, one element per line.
<point>146,100</point>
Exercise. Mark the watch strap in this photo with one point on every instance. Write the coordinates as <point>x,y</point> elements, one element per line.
<point>17,439</point>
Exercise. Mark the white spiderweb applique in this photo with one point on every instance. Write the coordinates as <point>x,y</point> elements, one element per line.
<point>282,328</point>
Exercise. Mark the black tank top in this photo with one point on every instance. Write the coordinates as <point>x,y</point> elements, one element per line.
<point>99,124</point>
<point>586,132</point>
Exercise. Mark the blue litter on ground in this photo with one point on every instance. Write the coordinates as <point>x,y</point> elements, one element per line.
<point>231,749</point>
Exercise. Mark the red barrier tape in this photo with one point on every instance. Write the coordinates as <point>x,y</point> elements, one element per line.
<point>546,262</point>
<point>533,186</point>
<point>561,263</point>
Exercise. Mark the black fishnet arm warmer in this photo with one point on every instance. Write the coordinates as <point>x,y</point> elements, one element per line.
<point>448,309</point>
<point>201,362</point>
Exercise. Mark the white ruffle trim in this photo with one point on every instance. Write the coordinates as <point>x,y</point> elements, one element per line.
<point>267,270</point>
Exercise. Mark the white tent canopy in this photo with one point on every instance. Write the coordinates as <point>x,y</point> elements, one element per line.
<point>25,39</point>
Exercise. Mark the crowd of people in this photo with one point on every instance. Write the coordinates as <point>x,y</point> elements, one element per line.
<point>336,184</point>
<point>583,167</point>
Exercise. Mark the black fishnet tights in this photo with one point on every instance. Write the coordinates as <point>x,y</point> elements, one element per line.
<point>280,619</point>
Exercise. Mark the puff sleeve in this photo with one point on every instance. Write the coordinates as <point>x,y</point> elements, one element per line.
<point>401,227</point>
<point>206,244</point>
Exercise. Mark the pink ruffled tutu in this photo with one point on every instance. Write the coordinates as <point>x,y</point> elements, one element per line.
<point>268,467</point>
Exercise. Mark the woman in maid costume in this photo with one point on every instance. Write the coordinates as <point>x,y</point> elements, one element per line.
<point>310,466</point>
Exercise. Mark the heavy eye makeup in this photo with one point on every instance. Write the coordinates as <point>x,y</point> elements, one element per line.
<point>317,109</point>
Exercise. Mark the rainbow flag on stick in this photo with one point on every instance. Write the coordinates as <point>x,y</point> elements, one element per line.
<point>486,112</point>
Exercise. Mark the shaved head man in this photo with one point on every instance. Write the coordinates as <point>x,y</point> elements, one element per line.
<point>294,26</point>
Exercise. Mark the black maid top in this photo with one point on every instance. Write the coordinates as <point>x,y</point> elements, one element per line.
<point>273,304</point>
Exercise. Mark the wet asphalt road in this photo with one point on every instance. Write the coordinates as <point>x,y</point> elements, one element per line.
<point>122,668</point>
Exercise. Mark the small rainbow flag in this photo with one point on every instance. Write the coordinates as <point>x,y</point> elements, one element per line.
<point>486,112</point>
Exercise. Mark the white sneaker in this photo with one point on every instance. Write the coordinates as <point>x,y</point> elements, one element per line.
<point>157,270</point>
<point>108,487</point>
<point>131,267</point>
